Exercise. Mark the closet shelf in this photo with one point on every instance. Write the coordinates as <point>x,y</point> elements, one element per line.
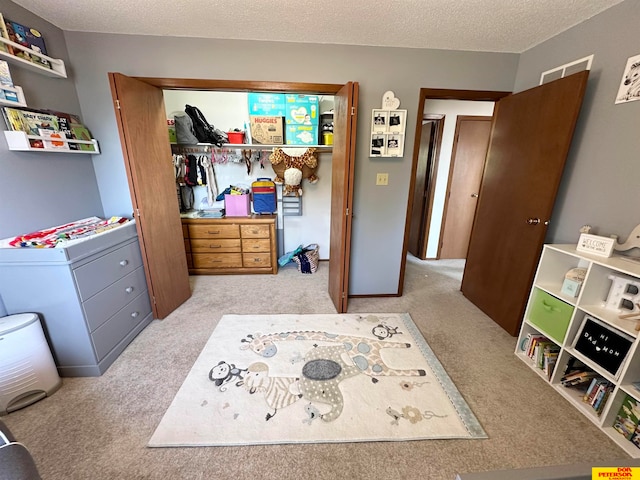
<point>244,146</point>
<point>57,66</point>
<point>19,141</point>
<point>18,91</point>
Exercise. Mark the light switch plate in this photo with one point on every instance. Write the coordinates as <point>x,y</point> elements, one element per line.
<point>382,179</point>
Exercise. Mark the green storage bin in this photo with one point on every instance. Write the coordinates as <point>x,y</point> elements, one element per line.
<point>550,314</point>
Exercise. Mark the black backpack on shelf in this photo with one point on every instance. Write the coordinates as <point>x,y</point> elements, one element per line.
<point>205,132</point>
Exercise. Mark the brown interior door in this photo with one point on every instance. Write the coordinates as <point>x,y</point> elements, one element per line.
<point>418,230</point>
<point>530,140</point>
<point>140,115</point>
<point>471,140</point>
<point>343,155</point>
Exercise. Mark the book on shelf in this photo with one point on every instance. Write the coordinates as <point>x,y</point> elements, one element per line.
<point>626,421</point>
<point>65,120</point>
<point>597,393</point>
<point>635,438</point>
<point>5,74</point>
<point>53,139</point>
<point>4,33</point>
<point>30,38</point>
<point>35,122</point>
<point>80,132</point>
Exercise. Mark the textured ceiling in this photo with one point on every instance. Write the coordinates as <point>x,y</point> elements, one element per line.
<point>480,25</point>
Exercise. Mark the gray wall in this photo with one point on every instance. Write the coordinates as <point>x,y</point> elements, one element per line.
<point>39,190</point>
<point>379,212</point>
<point>601,183</point>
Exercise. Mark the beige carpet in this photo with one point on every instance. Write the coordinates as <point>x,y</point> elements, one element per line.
<point>98,428</point>
<point>315,379</point>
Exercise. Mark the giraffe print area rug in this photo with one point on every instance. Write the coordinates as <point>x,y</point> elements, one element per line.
<point>271,379</point>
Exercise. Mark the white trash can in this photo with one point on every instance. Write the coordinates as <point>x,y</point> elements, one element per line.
<point>27,370</point>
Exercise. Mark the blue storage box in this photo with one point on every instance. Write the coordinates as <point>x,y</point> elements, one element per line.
<point>267,104</point>
<point>302,109</point>
<point>301,135</point>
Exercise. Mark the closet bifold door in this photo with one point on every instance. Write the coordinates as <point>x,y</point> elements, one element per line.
<point>342,168</point>
<point>139,107</point>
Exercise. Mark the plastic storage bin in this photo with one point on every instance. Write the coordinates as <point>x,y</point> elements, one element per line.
<point>550,314</point>
<point>27,370</point>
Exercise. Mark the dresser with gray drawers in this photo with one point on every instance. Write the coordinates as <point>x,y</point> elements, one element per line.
<point>91,296</point>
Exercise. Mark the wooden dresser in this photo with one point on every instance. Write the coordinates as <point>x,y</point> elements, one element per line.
<point>231,245</point>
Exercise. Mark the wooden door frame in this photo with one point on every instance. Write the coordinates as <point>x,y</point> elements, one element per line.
<point>452,166</point>
<point>434,94</point>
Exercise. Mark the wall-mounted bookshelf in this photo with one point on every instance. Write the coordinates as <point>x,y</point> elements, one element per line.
<point>57,66</point>
<point>19,141</point>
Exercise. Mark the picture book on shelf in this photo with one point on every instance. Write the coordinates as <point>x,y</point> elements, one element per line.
<point>14,120</point>
<point>30,38</point>
<point>52,140</point>
<point>626,421</point>
<point>80,132</point>
<point>35,120</point>
<point>5,74</point>
<point>65,120</point>
<point>4,47</point>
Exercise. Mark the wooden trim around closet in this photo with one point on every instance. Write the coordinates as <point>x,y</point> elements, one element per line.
<point>241,85</point>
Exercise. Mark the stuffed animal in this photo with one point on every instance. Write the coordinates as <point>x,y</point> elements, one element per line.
<point>293,166</point>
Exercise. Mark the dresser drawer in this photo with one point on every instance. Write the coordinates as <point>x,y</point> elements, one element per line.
<point>102,272</point>
<point>214,231</point>
<point>217,260</point>
<point>215,245</point>
<point>110,333</point>
<point>107,302</point>
<point>255,231</point>
<point>255,260</point>
<point>256,245</point>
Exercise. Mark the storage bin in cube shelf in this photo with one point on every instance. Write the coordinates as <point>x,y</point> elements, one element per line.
<point>550,314</point>
<point>237,205</point>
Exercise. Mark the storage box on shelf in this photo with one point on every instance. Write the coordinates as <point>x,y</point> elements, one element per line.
<point>57,66</point>
<point>19,93</point>
<point>582,325</point>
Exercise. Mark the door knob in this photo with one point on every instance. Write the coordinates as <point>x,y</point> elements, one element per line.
<point>533,221</point>
<point>474,195</point>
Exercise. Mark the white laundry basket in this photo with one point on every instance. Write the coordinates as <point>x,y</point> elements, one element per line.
<point>27,370</point>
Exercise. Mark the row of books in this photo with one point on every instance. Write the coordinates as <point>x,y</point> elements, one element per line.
<point>597,394</point>
<point>25,36</point>
<point>627,420</point>
<point>53,128</point>
<point>543,352</point>
<point>6,81</point>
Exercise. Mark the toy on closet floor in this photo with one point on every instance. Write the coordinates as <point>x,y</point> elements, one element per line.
<point>292,165</point>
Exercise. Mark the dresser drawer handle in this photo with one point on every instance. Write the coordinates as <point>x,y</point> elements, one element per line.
<point>135,314</point>
<point>213,233</point>
<point>215,246</point>
<point>128,289</point>
<point>124,263</point>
